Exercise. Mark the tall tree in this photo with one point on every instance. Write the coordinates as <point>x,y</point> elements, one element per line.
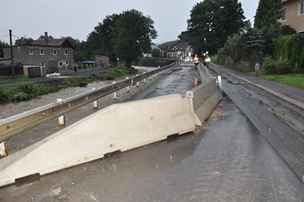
<point>211,22</point>
<point>268,14</point>
<point>126,35</point>
<point>100,41</point>
<point>133,35</point>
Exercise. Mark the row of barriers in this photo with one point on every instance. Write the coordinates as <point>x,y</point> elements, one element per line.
<point>117,128</point>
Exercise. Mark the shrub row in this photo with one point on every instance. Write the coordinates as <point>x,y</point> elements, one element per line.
<point>272,66</point>
<point>288,55</point>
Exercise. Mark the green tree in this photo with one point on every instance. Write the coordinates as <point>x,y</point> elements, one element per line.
<point>100,41</point>
<point>133,34</point>
<point>248,46</point>
<point>211,22</point>
<point>268,14</point>
<point>126,36</point>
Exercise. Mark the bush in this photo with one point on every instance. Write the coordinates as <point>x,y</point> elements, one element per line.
<point>35,90</point>
<point>272,66</point>
<point>3,96</point>
<point>28,89</point>
<point>46,89</point>
<point>291,48</point>
<point>20,96</point>
<point>78,81</point>
<point>218,59</point>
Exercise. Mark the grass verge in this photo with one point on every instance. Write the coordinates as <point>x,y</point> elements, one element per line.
<point>295,80</point>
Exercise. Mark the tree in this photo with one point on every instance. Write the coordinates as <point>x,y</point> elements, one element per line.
<point>23,41</point>
<point>248,46</point>
<point>268,14</point>
<point>133,35</point>
<point>3,45</point>
<point>100,41</point>
<point>211,22</point>
<point>125,36</point>
<point>80,49</point>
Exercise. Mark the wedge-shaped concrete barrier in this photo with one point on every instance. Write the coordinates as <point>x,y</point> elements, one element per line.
<point>205,99</point>
<point>119,127</point>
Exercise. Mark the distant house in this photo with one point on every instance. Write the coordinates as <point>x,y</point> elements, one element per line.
<point>52,55</point>
<point>293,14</point>
<point>175,49</point>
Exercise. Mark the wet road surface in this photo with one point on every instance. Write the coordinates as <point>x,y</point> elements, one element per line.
<point>227,160</point>
<point>289,91</point>
<point>179,81</point>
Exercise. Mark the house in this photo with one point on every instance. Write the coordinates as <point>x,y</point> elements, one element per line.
<point>176,49</point>
<point>293,14</point>
<point>52,55</point>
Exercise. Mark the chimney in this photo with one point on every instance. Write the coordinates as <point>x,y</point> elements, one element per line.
<point>46,37</point>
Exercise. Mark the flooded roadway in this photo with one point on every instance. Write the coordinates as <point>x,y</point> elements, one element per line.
<point>225,161</point>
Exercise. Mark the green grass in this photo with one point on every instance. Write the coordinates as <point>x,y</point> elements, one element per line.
<point>295,80</point>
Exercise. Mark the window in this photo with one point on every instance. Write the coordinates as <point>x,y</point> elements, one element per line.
<point>42,64</point>
<point>31,51</point>
<point>66,51</point>
<point>301,7</point>
<point>42,52</point>
<point>67,62</point>
<point>60,64</point>
<point>54,52</point>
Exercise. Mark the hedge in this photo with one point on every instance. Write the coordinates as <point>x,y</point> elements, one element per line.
<point>291,49</point>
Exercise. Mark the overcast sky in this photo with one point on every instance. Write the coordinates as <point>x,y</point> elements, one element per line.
<point>77,18</point>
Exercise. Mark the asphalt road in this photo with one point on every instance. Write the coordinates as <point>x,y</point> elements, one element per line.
<point>289,91</point>
<point>227,160</point>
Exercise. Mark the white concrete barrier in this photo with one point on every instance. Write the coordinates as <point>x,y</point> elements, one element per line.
<point>3,150</point>
<point>205,96</point>
<point>119,127</point>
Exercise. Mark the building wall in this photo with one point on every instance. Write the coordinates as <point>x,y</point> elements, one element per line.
<point>28,55</point>
<point>293,18</point>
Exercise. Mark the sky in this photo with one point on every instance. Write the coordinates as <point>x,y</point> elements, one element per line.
<point>77,18</point>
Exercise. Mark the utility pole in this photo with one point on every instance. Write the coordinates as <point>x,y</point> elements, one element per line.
<point>12,52</point>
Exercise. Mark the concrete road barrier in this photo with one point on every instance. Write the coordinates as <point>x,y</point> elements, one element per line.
<point>119,127</point>
<point>205,99</point>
